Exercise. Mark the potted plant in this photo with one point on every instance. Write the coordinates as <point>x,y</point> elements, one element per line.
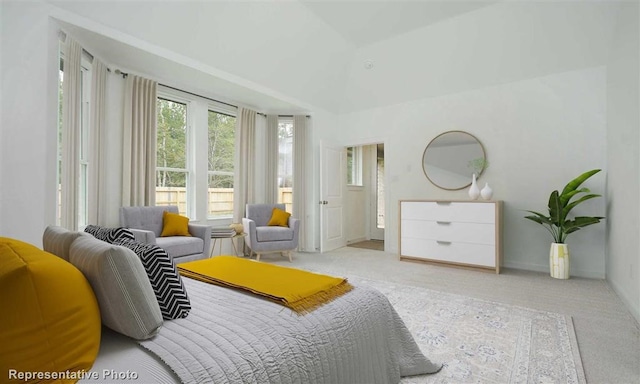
<point>560,225</point>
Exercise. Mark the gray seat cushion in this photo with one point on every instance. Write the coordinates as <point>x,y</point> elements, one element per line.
<point>273,233</point>
<point>177,246</point>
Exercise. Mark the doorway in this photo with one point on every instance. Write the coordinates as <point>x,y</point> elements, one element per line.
<point>377,212</point>
<point>365,199</point>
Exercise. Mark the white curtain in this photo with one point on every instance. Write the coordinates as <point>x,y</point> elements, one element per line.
<point>244,189</point>
<point>71,126</point>
<point>271,160</point>
<point>139,142</point>
<point>97,187</point>
<point>300,151</point>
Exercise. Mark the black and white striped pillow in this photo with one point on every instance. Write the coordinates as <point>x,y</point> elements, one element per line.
<point>165,279</point>
<point>110,235</point>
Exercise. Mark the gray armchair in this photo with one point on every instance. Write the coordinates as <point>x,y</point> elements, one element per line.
<point>269,239</point>
<point>146,225</point>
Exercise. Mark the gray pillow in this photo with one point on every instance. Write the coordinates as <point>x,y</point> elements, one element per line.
<point>127,302</point>
<point>57,240</point>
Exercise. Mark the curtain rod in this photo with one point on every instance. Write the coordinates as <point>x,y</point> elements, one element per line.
<point>124,75</point>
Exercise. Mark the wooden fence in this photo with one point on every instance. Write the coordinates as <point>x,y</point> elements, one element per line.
<point>220,200</point>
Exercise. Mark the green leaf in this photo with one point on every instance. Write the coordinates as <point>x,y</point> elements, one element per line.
<point>580,222</point>
<point>539,218</point>
<point>564,199</point>
<point>569,207</point>
<point>575,183</point>
<point>555,208</point>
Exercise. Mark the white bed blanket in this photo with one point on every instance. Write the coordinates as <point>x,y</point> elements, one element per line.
<point>234,337</point>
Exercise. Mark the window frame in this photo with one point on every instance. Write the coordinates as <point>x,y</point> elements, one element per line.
<point>281,193</point>
<point>164,94</point>
<point>356,166</point>
<point>84,146</point>
<point>84,151</point>
<point>215,108</point>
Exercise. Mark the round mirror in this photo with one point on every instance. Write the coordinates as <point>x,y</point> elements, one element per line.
<point>451,159</point>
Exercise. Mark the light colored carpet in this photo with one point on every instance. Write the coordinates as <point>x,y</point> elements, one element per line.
<point>607,334</point>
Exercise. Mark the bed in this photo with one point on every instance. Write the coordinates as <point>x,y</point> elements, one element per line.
<point>232,336</point>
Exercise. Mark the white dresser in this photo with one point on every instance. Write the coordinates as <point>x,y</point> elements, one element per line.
<point>464,233</point>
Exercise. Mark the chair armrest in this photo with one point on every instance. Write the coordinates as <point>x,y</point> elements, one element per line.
<point>295,225</point>
<point>144,236</point>
<point>202,231</point>
<point>250,228</point>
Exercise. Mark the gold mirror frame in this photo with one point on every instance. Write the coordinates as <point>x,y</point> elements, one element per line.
<point>453,171</point>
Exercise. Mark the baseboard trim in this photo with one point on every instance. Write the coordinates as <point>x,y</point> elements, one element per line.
<point>631,306</point>
<point>357,240</point>
<point>545,268</point>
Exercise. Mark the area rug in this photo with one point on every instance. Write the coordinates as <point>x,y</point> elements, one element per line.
<point>480,341</point>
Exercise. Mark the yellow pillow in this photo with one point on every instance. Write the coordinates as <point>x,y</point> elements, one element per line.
<point>51,320</point>
<point>279,218</point>
<point>174,225</point>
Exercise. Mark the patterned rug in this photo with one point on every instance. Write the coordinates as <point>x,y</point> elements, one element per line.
<point>481,341</point>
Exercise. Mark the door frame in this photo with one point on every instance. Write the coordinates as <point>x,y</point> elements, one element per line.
<point>374,232</point>
<point>375,141</point>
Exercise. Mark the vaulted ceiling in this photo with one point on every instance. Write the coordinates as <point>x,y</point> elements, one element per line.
<point>339,56</point>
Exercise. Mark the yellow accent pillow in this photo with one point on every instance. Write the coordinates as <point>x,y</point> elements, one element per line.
<point>51,320</point>
<point>174,225</point>
<point>279,218</point>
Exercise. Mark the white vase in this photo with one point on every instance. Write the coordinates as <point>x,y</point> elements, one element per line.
<point>486,192</point>
<point>559,261</point>
<point>474,191</point>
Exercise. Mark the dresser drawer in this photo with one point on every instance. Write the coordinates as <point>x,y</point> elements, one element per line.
<point>476,233</point>
<point>452,252</point>
<point>451,232</point>
<point>449,211</point>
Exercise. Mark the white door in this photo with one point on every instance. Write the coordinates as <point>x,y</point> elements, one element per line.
<point>376,208</point>
<point>333,186</point>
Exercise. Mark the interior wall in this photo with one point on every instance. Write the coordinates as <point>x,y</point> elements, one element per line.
<point>623,156</point>
<point>538,134</point>
<point>497,44</point>
<point>28,120</point>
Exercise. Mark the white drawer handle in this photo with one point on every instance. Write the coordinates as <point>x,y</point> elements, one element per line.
<point>443,202</point>
<point>443,222</point>
<point>443,242</point>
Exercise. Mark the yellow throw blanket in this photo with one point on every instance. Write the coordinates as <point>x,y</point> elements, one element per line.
<point>299,290</point>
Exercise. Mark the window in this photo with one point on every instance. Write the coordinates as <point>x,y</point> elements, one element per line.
<point>354,166</point>
<point>221,157</point>
<point>285,163</point>
<point>172,173</point>
<point>59,153</point>
<point>85,111</point>
<point>83,149</point>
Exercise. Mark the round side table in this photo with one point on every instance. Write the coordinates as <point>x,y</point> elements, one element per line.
<point>233,239</point>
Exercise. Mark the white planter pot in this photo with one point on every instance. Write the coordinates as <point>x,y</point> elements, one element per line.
<point>559,261</point>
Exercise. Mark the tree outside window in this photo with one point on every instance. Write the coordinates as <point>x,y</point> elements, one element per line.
<point>285,163</point>
<point>221,155</point>
<point>171,162</point>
